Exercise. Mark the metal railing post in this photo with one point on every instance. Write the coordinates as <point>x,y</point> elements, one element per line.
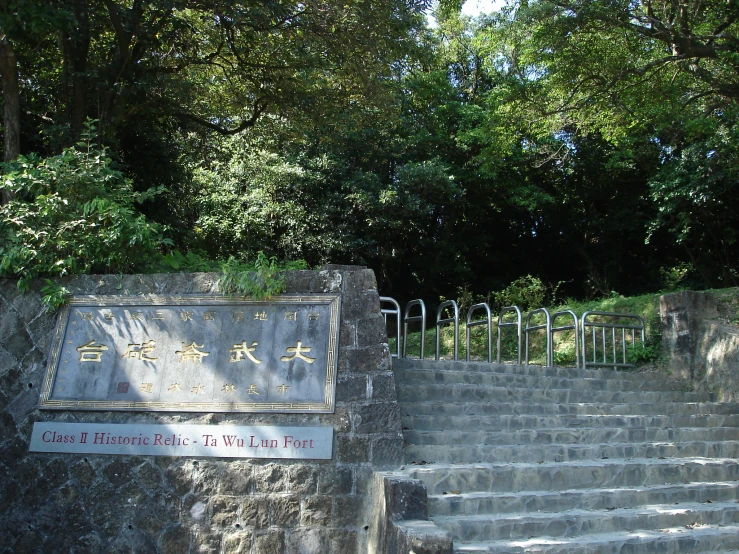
<point>455,319</point>
<point>407,320</point>
<point>518,324</point>
<point>549,357</point>
<point>392,311</point>
<point>471,324</point>
<point>574,327</point>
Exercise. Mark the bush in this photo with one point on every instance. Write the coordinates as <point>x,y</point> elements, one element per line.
<point>73,213</point>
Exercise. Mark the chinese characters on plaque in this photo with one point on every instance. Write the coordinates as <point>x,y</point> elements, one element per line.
<point>195,353</point>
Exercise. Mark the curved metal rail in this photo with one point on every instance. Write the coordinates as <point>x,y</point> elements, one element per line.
<point>546,325</point>
<point>518,324</point>
<point>470,324</point>
<point>394,311</point>
<point>573,327</point>
<point>407,319</point>
<point>439,322</point>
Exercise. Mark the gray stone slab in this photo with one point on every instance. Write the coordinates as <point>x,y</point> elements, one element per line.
<point>195,353</point>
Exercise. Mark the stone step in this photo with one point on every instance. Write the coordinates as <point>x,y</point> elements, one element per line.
<point>551,476</point>
<point>442,454</point>
<point>443,422</point>
<point>700,539</point>
<point>472,393</point>
<point>545,436</point>
<point>475,503</point>
<point>419,376</point>
<point>400,365</point>
<point>514,407</point>
<point>572,523</point>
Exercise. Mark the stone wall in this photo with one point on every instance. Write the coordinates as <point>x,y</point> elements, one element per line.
<point>700,343</point>
<point>84,503</point>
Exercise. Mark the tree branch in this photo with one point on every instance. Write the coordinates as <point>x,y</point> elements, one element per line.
<point>259,108</point>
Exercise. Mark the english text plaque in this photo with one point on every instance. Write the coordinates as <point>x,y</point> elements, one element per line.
<point>195,354</point>
<point>223,441</point>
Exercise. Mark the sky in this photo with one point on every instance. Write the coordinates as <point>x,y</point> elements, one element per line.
<point>476,7</point>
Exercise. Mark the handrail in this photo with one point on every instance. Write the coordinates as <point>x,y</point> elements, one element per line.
<point>517,324</point>
<point>407,320</point>
<point>573,327</point>
<point>603,325</point>
<point>470,324</point>
<point>440,322</point>
<point>392,311</point>
<point>549,362</point>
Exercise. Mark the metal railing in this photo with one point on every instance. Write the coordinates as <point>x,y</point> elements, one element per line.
<point>547,325</point>
<point>517,324</point>
<point>454,319</point>
<point>614,322</point>
<point>606,348</point>
<point>470,324</point>
<point>572,327</point>
<point>407,319</point>
<point>394,311</point>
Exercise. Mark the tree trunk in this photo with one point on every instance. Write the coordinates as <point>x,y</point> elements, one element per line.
<point>12,111</point>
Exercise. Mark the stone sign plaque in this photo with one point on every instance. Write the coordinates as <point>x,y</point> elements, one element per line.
<point>223,441</point>
<point>194,353</point>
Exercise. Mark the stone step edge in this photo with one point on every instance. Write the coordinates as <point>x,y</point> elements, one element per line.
<point>576,463</point>
<point>459,432</point>
<point>639,511</point>
<point>600,539</point>
<point>482,366</point>
<point>609,421</point>
<point>580,445</point>
<point>671,404</point>
<point>417,376</point>
<point>585,392</point>
<point>646,489</point>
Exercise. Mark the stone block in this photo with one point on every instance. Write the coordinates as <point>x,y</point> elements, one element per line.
<point>237,478</point>
<point>371,331</point>
<point>303,479</point>
<point>83,472</point>
<point>307,541</point>
<point>342,541</point>
<point>353,449</point>
<point>347,510</point>
<point>347,334</point>
<point>376,418</point>
<point>351,388</point>
<point>336,480</point>
<point>316,511</point>
<point>255,511</point>
<point>120,469</point>
<point>272,542</point>
<point>383,387</point>
<point>270,478</point>
<point>238,542</point>
<point>332,280</point>
<point>365,360</point>
<point>224,510</point>
<point>179,476</point>
<point>149,476</point>
<point>285,510</point>
<point>387,452</point>
<point>360,305</point>
<point>360,280</point>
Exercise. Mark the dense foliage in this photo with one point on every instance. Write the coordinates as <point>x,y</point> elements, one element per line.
<point>585,146</point>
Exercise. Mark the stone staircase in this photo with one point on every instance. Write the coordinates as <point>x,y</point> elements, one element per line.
<point>561,460</point>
